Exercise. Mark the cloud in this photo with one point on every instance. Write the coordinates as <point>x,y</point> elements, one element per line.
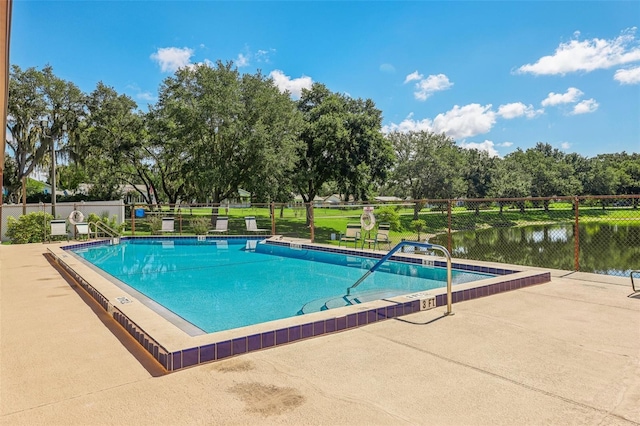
<point>413,76</point>
<point>457,123</point>
<point>518,109</point>
<point>428,86</point>
<point>466,121</point>
<point>387,68</point>
<point>172,58</point>
<point>264,55</point>
<point>585,107</point>
<point>146,96</point>
<point>409,125</point>
<point>587,55</point>
<point>565,145</point>
<point>487,146</point>
<point>292,85</point>
<point>628,76</point>
<point>505,144</point>
<point>572,95</point>
<point>242,60</point>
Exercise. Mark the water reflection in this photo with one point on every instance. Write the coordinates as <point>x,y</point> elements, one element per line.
<point>604,249</point>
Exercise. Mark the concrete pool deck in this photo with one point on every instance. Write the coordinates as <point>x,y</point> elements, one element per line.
<point>564,352</point>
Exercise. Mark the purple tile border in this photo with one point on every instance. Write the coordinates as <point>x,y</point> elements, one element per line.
<point>173,361</point>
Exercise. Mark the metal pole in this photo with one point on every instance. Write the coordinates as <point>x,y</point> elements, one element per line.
<point>133,219</point>
<point>272,208</point>
<point>449,238</point>
<point>53,176</point>
<point>311,224</point>
<point>576,236</point>
<point>24,195</point>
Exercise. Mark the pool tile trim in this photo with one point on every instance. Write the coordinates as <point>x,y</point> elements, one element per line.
<point>344,319</point>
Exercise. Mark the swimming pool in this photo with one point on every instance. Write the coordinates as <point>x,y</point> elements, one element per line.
<point>221,284</point>
<point>176,344</point>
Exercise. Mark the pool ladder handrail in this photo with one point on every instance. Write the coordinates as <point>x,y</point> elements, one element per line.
<point>401,244</point>
<point>104,228</point>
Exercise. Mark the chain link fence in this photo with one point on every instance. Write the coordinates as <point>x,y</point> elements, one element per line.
<point>588,234</point>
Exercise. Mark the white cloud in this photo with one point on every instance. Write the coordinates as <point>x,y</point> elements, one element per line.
<point>518,109</point>
<point>413,76</point>
<point>628,76</point>
<point>458,123</point>
<point>572,95</point>
<point>466,121</point>
<point>565,145</point>
<point>587,55</point>
<point>172,58</point>
<point>387,68</point>
<point>430,85</point>
<point>487,146</point>
<point>264,55</point>
<point>146,96</point>
<point>585,107</point>
<point>505,144</point>
<point>242,60</point>
<point>293,85</point>
<point>409,125</point>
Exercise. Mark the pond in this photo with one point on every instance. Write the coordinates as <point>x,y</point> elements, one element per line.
<point>604,248</point>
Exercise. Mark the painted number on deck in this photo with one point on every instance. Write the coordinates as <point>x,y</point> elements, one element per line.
<point>429,303</point>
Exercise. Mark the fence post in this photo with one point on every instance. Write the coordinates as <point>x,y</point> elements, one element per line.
<point>449,239</point>
<point>133,219</point>
<point>576,235</point>
<point>272,208</point>
<point>311,223</point>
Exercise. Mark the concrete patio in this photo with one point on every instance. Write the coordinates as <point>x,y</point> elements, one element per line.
<point>565,352</point>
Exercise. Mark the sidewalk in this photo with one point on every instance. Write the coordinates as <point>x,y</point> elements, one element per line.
<point>566,352</point>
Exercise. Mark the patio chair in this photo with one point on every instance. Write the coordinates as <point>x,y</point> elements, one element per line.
<point>168,225</point>
<point>252,226</point>
<point>222,225</point>
<point>381,237</point>
<point>351,234</point>
<point>58,227</point>
<point>82,228</point>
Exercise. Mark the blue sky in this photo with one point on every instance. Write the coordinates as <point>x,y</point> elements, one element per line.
<point>492,75</point>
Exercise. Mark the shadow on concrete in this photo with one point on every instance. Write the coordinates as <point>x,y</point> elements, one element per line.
<point>421,323</point>
<point>139,353</point>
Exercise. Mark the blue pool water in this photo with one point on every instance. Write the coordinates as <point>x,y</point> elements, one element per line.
<point>223,284</point>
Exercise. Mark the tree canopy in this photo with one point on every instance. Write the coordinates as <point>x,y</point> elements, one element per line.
<point>214,130</point>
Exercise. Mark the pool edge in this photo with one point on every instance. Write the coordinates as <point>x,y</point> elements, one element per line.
<point>187,355</point>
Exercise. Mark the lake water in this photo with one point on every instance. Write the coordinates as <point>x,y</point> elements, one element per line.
<point>604,249</point>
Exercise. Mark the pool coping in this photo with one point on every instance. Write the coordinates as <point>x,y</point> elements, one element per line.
<point>175,349</point>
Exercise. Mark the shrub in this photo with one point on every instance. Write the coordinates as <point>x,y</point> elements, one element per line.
<point>31,228</point>
<point>200,225</point>
<point>389,214</point>
<point>418,226</point>
<point>155,224</point>
<point>104,218</point>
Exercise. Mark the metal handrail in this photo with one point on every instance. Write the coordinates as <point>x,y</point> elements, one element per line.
<point>99,225</point>
<point>633,284</point>
<point>391,252</point>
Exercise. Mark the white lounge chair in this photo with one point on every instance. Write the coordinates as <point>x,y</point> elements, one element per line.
<point>252,226</point>
<point>58,228</point>
<point>381,237</point>
<point>352,234</point>
<point>168,225</point>
<point>222,225</point>
<point>82,228</point>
